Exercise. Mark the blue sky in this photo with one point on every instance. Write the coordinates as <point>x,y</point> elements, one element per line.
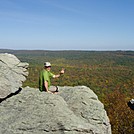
<point>67,24</point>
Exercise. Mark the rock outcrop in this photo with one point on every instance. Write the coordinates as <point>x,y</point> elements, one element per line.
<point>74,110</point>
<point>12,74</point>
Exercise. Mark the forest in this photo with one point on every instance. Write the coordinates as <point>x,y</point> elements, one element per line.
<point>110,74</point>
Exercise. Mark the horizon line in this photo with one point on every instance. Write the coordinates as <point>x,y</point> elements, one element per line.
<point>67,49</point>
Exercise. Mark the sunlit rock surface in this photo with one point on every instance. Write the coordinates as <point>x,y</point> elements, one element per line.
<point>12,74</point>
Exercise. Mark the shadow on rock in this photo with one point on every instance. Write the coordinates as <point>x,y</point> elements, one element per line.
<point>10,95</point>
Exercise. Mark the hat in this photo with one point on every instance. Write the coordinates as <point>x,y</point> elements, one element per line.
<point>47,64</point>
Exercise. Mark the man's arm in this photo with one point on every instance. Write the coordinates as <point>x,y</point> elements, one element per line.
<point>58,75</point>
<point>46,87</point>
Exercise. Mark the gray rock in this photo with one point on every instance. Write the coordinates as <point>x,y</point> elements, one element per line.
<point>12,74</point>
<point>85,104</point>
<point>74,110</point>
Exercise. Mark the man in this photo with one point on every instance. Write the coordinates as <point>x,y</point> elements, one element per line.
<point>45,77</point>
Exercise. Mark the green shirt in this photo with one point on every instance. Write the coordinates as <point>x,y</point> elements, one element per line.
<point>44,76</point>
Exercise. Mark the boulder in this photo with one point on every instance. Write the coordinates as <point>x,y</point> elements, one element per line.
<point>12,74</point>
<point>74,110</point>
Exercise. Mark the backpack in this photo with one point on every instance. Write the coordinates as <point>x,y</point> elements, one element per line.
<point>131,104</point>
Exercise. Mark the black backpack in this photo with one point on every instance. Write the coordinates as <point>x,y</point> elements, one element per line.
<point>131,104</point>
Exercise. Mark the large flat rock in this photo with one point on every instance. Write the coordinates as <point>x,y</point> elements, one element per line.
<point>74,110</point>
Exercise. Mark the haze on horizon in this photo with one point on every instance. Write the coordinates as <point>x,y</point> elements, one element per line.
<point>67,24</point>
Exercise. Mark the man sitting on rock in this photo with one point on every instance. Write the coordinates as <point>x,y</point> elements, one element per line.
<point>45,77</point>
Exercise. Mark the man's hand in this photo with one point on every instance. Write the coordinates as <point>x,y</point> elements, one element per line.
<point>62,71</point>
<point>50,92</point>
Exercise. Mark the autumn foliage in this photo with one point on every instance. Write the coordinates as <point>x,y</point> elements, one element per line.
<point>109,74</point>
<point>121,116</point>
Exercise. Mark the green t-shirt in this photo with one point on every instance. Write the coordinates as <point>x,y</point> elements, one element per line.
<point>44,76</point>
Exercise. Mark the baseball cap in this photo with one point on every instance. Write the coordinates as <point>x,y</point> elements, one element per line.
<point>47,64</point>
